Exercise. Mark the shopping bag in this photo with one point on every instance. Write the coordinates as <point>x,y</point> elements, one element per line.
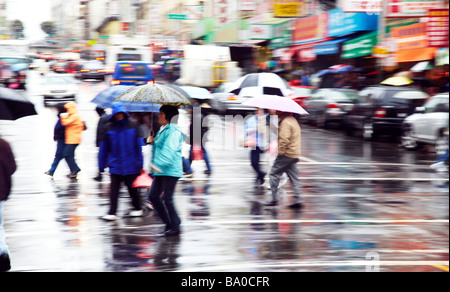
<point>143,181</point>
<point>197,153</point>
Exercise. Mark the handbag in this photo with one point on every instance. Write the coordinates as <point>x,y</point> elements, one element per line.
<point>143,181</point>
<point>197,153</point>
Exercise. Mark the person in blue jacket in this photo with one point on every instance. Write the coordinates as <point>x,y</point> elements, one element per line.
<point>121,151</point>
<point>167,168</point>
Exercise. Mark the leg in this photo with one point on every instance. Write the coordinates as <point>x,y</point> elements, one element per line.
<point>69,156</point>
<point>169,189</point>
<point>255,158</point>
<point>3,246</point>
<point>155,198</point>
<point>206,158</point>
<point>116,181</point>
<point>293,174</point>
<point>59,155</point>
<point>134,192</point>
<point>277,171</point>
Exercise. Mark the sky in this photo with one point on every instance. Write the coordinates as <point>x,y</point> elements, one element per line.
<point>32,13</point>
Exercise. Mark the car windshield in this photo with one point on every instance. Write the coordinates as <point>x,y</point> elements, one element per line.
<point>405,98</point>
<point>93,66</point>
<point>58,81</point>
<point>344,96</point>
<point>135,69</point>
<point>301,91</point>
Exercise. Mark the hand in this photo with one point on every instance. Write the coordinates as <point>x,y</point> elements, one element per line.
<point>151,140</point>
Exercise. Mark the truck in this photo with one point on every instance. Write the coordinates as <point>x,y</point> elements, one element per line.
<point>208,66</point>
<point>127,49</point>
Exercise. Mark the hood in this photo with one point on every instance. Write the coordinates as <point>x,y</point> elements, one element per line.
<point>177,128</point>
<point>71,108</point>
<point>118,107</point>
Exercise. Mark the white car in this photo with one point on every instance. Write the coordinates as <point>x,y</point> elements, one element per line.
<point>59,88</point>
<point>429,125</point>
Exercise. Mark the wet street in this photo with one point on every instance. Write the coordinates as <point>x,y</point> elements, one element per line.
<point>369,206</point>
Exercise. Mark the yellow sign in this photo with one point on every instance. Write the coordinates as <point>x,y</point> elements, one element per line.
<point>293,9</point>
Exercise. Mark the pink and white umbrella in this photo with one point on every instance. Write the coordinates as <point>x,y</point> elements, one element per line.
<point>278,103</point>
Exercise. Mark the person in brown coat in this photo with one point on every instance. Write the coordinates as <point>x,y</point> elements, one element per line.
<point>289,142</point>
<point>7,168</point>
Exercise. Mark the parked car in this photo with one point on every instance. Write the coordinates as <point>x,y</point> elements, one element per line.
<point>93,70</point>
<point>132,73</point>
<point>226,102</point>
<point>58,66</point>
<point>302,94</point>
<point>428,125</point>
<point>59,88</point>
<point>382,110</point>
<point>330,105</point>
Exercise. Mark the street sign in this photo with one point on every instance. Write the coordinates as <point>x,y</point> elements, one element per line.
<point>177,16</point>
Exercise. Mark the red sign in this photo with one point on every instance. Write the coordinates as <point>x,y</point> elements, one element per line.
<point>437,28</point>
<point>125,26</point>
<point>306,55</point>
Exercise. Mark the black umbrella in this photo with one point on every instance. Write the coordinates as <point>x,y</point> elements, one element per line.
<point>14,105</point>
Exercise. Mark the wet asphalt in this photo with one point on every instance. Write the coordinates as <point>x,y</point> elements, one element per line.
<point>369,206</point>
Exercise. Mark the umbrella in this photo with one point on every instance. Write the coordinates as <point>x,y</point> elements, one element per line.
<point>268,83</point>
<point>14,105</point>
<point>153,93</point>
<point>323,72</point>
<point>197,92</point>
<point>341,69</point>
<point>275,102</point>
<point>397,81</point>
<point>106,97</point>
<point>422,66</point>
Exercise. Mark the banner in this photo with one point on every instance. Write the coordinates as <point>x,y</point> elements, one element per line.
<point>360,47</point>
<point>289,8</point>
<point>437,28</point>
<point>310,29</point>
<point>412,8</point>
<point>341,23</point>
<point>411,37</point>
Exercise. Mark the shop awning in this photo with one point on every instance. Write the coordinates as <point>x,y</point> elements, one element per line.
<point>329,47</point>
<point>415,55</point>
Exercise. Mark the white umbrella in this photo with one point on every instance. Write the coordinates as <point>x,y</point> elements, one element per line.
<point>263,83</point>
<point>422,66</point>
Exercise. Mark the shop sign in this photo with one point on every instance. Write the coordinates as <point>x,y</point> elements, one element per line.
<point>306,55</point>
<point>412,8</point>
<point>310,29</point>
<point>342,23</point>
<point>366,6</point>
<point>359,47</point>
<point>442,57</point>
<point>261,32</point>
<point>437,28</point>
<point>411,37</point>
<point>289,8</point>
<point>380,52</point>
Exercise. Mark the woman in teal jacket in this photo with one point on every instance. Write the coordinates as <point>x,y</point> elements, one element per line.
<point>167,169</point>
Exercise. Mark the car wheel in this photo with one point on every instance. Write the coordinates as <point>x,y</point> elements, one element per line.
<point>368,131</point>
<point>408,141</point>
<point>441,145</point>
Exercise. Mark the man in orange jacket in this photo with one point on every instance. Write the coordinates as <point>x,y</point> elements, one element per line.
<point>74,127</point>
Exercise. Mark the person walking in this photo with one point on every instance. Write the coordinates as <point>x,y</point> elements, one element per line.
<point>59,135</point>
<point>101,130</point>
<point>257,140</point>
<point>74,128</point>
<point>7,168</point>
<point>289,148</point>
<point>121,151</point>
<point>167,168</point>
<point>198,131</point>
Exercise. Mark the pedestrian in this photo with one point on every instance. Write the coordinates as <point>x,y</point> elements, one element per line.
<point>256,139</point>
<point>167,168</point>
<point>121,151</point>
<point>441,162</point>
<point>59,135</point>
<point>289,147</point>
<point>101,131</point>
<point>7,168</point>
<point>74,128</point>
<point>198,131</point>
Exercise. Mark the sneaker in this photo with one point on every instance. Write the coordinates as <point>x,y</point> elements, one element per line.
<point>5,263</point>
<point>49,174</point>
<point>208,172</point>
<point>189,175</point>
<point>136,213</point>
<point>110,217</point>
<point>73,175</point>
<point>98,177</point>
<point>148,205</point>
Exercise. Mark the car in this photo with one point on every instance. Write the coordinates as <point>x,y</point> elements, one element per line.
<point>301,94</point>
<point>428,125</point>
<point>19,68</point>
<point>226,102</point>
<point>328,105</point>
<point>132,73</point>
<point>59,66</point>
<point>59,88</point>
<point>382,110</point>
<point>93,70</point>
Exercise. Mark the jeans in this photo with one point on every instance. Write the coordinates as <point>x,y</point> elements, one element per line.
<point>3,246</point>
<point>161,197</point>
<point>116,181</point>
<point>69,156</point>
<point>58,156</point>
<point>255,158</point>
<point>289,166</point>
